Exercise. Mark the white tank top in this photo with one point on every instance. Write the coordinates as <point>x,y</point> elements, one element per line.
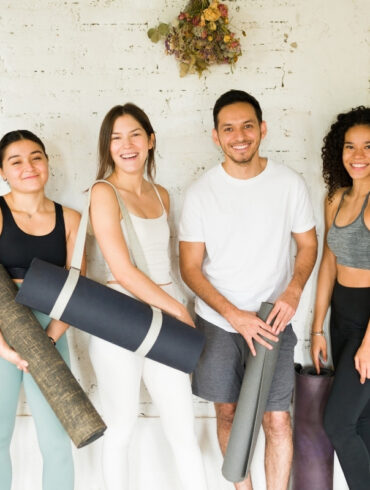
<point>154,236</point>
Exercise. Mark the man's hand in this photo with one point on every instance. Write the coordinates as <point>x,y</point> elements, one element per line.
<point>252,328</point>
<point>284,309</point>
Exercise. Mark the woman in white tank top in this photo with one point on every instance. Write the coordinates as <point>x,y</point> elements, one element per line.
<point>126,152</point>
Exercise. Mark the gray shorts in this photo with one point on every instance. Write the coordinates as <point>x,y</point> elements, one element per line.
<point>219,372</point>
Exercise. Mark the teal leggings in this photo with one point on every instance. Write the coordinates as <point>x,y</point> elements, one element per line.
<point>55,445</point>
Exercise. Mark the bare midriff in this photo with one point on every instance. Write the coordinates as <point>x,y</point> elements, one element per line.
<point>352,277</point>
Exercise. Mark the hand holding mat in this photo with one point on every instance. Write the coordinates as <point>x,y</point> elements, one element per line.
<point>259,371</point>
<point>106,313</point>
<point>23,332</point>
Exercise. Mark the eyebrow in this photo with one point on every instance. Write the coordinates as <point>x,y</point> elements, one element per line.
<point>351,142</point>
<point>230,124</point>
<point>132,131</point>
<point>32,153</point>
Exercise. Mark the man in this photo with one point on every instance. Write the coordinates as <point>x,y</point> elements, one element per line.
<point>235,234</point>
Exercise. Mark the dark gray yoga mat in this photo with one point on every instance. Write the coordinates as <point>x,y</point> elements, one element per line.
<point>23,332</point>
<point>106,313</point>
<point>111,315</point>
<point>249,412</point>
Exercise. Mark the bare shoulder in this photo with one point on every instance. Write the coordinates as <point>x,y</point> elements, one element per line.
<point>164,196</point>
<point>331,205</point>
<point>71,219</point>
<point>101,189</point>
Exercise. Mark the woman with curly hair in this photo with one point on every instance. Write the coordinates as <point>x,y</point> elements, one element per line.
<point>344,283</point>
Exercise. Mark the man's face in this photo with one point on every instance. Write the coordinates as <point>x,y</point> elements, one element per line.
<point>239,133</point>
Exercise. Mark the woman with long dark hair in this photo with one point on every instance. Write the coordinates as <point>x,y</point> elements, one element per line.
<point>344,284</point>
<point>31,225</point>
<point>126,151</point>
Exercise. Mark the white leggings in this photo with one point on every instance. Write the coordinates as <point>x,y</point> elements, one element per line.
<point>118,373</point>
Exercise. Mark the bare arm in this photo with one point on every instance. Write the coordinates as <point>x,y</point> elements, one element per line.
<point>105,219</point>
<point>287,304</point>
<point>245,322</point>
<point>325,284</point>
<point>57,328</point>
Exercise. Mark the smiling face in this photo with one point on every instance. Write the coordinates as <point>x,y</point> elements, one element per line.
<point>25,166</point>
<point>239,133</point>
<point>356,152</point>
<point>129,145</point>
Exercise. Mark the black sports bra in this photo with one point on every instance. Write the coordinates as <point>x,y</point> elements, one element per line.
<point>18,249</point>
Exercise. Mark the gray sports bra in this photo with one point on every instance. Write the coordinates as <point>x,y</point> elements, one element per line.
<point>351,243</point>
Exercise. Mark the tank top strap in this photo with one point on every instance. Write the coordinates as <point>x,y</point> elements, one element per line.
<point>365,203</point>
<point>6,212</point>
<point>339,205</point>
<point>59,217</point>
<point>159,197</point>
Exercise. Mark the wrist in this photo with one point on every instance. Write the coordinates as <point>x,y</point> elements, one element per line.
<point>230,313</point>
<point>295,288</point>
<point>52,341</point>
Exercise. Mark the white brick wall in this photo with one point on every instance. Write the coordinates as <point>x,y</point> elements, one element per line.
<point>64,63</point>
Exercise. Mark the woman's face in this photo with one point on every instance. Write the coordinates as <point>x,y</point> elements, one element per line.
<point>129,145</point>
<point>25,166</point>
<point>356,152</point>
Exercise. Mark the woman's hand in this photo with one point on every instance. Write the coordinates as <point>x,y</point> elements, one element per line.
<point>318,349</point>
<point>9,354</point>
<point>362,362</point>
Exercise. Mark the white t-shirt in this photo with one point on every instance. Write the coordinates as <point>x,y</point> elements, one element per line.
<point>246,226</point>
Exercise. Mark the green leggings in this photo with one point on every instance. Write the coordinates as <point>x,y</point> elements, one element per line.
<point>55,445</point>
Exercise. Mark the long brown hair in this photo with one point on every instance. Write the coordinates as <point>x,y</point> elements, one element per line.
<point>106,164</point>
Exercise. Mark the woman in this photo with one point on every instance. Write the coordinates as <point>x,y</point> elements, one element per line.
<point>344,282</point>
<point>126,152</point>
<point>31,225</point>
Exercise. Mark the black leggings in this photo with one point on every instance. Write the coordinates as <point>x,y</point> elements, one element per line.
<point>347,414</point>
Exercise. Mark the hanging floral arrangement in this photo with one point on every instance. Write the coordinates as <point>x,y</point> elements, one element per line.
<point>199,37</point>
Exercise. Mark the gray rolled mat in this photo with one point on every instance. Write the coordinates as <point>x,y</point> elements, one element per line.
<point>251,406</point>
<point>313,458</point>
<point>23,332</point>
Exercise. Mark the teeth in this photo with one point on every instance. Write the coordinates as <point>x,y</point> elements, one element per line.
<point>129,156</point>
<point>358,165</point>
<point>240,147</point>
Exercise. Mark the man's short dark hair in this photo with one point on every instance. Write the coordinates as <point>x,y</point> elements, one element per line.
<point>232,97</point>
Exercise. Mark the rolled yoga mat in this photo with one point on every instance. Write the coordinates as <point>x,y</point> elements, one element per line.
<point>23,332</point>
<point>109,314</point>
<point>313,457</point>
<point>259,371</point>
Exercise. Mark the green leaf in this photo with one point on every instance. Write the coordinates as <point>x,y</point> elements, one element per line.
<point>154,35</point>
<point>163,29</point>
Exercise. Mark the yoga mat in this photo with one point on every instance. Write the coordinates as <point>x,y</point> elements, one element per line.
<point>23,332</point>
<point>313,457</point>
<point>259,371</point>
<point>109,314</point>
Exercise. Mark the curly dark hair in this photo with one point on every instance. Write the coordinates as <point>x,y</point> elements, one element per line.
<point>334,173</point>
